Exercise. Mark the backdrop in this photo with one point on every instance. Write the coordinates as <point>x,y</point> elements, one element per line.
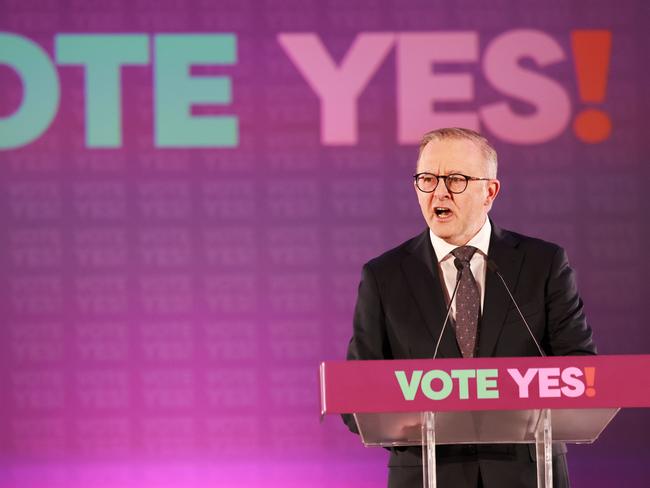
<point>188,190</point>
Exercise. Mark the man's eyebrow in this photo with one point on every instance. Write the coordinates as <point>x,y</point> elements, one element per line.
<point>451,171</point>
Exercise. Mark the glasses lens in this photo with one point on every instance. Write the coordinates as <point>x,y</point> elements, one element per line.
<point>456,183</point>
<point>427,182</point>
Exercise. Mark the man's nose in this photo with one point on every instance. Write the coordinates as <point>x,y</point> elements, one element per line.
<point>441,190</point>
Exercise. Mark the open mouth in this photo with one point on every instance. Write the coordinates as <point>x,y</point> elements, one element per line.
<point>442,212</point>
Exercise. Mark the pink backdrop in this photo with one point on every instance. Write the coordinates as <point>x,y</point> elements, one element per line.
<point>164,309</point>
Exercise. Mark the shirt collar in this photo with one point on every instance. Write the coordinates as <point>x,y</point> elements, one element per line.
<point>480,241</point>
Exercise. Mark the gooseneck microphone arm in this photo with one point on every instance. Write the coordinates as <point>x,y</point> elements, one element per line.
<point>494,268</point>
<point>444,324</point>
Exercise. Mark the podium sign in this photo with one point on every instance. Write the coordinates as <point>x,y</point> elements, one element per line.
<point>484,400</point>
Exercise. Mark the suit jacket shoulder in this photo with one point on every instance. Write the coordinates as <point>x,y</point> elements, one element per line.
<point>389,262</point>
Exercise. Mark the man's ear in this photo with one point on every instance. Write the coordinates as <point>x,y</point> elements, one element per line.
<point>493,188</point>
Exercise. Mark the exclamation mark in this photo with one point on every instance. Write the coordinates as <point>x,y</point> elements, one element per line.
<point>591,53</point>
<point>590,376</point>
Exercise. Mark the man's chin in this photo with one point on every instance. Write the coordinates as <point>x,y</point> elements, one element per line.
<point>442,227</point>
<point>442,230</point>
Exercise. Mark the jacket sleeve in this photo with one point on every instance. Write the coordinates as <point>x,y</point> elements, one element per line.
<point>567,332</point>
<point>369,339</point>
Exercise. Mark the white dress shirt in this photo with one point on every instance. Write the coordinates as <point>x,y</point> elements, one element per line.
<point>446,269</point>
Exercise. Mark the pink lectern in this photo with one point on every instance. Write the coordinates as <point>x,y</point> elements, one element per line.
<point>484,400</point>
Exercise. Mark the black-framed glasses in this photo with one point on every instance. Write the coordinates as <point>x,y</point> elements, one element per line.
<point>455,182</point>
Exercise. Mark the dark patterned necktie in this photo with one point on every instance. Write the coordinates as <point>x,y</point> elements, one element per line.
<point>468,302</point>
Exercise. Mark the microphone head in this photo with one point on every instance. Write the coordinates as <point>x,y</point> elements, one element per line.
<point>459,264</point>
<point>492,266</point>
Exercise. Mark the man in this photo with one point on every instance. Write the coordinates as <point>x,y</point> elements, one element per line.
<point>404,294</point>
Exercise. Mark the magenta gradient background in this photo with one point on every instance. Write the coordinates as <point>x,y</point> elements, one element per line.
<point>163,312</point>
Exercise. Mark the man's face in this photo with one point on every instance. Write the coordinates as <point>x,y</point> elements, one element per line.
<point>456,218</point>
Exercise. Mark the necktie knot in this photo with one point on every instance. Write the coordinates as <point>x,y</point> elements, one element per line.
<point>463,254</point>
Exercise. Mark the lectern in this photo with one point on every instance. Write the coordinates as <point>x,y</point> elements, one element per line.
<point>532,400</point>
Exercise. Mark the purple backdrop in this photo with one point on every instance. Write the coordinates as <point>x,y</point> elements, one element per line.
<point>164,310</point>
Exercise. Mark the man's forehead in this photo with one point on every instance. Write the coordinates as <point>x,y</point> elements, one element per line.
<point>453,154</point>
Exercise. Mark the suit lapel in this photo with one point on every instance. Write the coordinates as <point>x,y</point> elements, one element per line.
<point>424,282</point>
<point>504,252</point>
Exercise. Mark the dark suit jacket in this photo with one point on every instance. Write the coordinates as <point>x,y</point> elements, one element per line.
<point>400,311</point>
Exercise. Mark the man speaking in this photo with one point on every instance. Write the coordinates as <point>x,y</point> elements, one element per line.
<point>405,293</point>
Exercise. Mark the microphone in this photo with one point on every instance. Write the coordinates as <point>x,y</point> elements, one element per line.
<point>444,324</point>
<point>495,269</point>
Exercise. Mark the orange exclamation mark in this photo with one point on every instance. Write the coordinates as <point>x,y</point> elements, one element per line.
<point>590,376</point>
<point>591,53</point>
